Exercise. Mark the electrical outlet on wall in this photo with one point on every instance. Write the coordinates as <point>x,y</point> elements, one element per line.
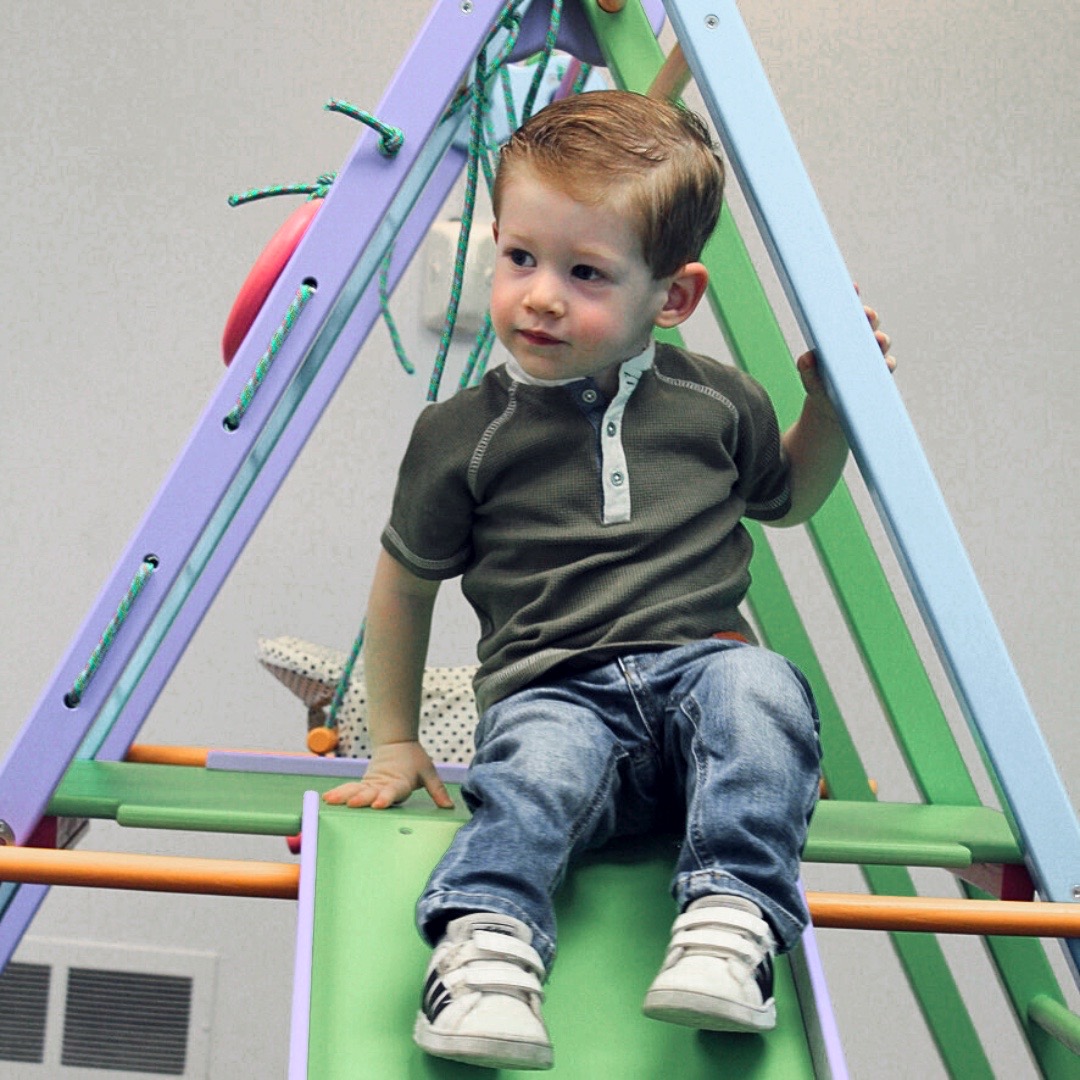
<point>440,252</point>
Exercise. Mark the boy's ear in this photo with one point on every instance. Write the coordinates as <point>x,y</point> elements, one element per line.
<point>683,296</point>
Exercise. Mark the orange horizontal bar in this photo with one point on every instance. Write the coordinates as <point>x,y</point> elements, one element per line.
<point>151,754</point>
<point>154,754</point>
<point>945,916</point>
<point>151,873</point>
<point>230,877</point>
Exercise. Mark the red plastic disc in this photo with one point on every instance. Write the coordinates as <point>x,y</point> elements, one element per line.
<point>263,274</point>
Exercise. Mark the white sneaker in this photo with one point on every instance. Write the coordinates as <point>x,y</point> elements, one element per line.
<point>482,995</point>
<point>718,972</point>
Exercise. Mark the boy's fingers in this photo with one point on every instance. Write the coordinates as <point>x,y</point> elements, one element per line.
<point>437,790</point>
<point>342,793</point>
<point>363,793</point>
<point>387,789</point>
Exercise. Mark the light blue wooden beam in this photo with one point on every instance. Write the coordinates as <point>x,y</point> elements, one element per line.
<point>819,289</point>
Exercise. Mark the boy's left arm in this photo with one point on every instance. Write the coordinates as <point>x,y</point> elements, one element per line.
<point>815,444</point>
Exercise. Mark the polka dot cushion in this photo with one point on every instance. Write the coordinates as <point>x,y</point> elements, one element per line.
<point>311,672</point>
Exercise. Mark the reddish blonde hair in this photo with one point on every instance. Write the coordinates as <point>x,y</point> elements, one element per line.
<point>649,158</point>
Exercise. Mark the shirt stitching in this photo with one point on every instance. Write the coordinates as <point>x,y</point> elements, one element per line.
<point>489,433</point>
<point>686,384</point>
<point>772,504</point>
<point>455,560</point>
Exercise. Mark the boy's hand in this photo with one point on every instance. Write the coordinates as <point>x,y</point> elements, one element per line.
<point>396,771</point>
<point>807,363</point>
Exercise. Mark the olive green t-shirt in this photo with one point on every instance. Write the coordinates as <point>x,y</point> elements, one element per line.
<point>583,528</point>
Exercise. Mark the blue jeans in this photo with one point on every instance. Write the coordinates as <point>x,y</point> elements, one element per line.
<point>722,733</point>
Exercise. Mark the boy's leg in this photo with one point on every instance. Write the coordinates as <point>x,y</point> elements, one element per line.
<point>541,788</point>
<point>742,736</point>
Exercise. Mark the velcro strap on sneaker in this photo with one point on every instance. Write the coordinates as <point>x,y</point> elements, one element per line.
<point>720,941</point>
<point>500,976</point>
<point>492,945</point>
<point>731,918</point>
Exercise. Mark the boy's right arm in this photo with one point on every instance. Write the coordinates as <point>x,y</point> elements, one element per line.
<point>395,651</point>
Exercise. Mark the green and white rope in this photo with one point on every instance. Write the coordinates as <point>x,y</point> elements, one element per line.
<point>262,368</point>
<point>581,79</point>
<point>346,677</point>
<point>391,138</point>
<point>97,657</point>
<point>318,190</point>
<point>480,142</point>
<point>508,97</point>
<point>476,364</point>
<point>476,139</point>
<point>478,90</point>
<point>388,318</point>
<point>549,47</point>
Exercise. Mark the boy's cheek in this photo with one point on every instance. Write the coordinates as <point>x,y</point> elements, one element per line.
<point>500,319</point>
<point>599,327</point>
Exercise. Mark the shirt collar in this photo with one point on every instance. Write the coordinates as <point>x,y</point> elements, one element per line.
<point>636,366</point>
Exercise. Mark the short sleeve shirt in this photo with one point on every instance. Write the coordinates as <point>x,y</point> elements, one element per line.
<point>584,528</point>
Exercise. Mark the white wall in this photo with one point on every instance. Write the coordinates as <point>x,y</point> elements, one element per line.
<point>942,140</point>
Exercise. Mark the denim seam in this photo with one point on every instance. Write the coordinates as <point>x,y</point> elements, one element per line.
<point>601,795</point>
<point>701,770</point>
<point>637,691</point>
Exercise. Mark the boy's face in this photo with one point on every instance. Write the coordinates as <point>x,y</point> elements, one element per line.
<point>571,294</point>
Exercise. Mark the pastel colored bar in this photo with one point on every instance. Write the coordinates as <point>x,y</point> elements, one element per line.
<point>151,873</point>
<point>300,1026</point>
<point>819,288</point>
<point>358,202</point>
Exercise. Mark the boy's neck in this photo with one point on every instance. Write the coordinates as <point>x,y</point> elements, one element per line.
<point>607,381</point>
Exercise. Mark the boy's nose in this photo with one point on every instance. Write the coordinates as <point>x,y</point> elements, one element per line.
<point>544,296</point>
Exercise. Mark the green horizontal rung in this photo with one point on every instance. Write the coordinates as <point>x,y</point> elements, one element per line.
<point>909,834</point>
<point>1057,1021</point>
<point>213,800</point>
<point>183,797</point>
<point>211,820</point>
<point>888,853</point>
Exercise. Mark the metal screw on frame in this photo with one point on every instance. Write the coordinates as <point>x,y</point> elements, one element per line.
<point>466,7</point>
<point>712,22</point>
<point>1076,892</point>
<point>7,834</point>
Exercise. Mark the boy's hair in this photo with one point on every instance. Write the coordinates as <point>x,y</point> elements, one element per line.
<point>656,161</point>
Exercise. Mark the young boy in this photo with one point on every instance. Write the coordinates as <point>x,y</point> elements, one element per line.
<point>590,492</point>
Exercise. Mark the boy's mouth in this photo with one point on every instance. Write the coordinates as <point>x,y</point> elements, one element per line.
<point>538,337</point>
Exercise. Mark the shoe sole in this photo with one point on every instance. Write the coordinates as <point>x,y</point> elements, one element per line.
<point>475,1050</point>
<point>708,1013</point>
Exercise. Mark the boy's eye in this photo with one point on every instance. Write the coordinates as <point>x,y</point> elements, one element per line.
<point>519,257</point>
<point>584,272</point>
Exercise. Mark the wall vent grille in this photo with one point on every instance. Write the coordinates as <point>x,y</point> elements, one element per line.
<point>82,1010</point>
<point>24,1007</point>
<point>126,1020</point>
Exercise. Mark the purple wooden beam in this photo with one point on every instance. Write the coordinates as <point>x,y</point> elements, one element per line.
<point>359,199</point>
<point>305,925</point>
<point>277,466</point>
